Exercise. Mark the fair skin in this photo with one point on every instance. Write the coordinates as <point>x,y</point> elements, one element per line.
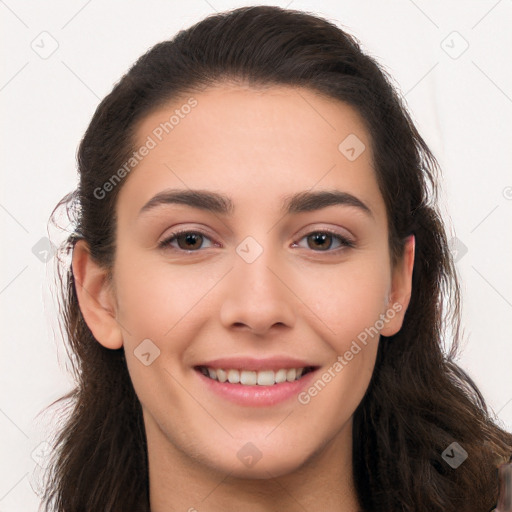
<point>300,298</point>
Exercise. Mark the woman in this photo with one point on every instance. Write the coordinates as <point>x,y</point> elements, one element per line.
<point>259,288</point>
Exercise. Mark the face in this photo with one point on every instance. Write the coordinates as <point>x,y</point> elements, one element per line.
<point>264,280</point>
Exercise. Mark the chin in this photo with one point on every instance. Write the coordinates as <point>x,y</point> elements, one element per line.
<point>260,466</point>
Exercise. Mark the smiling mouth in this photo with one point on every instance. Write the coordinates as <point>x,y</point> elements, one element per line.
<point>254,378</point>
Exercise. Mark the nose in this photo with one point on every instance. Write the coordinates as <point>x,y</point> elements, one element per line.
<point>258,296</point>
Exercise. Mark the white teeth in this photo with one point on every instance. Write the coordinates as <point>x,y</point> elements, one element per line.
<point>234,376</point>
<point>266,378</point>
<point>251,378</point>
<point>280,376</point>
<point>248,378</point>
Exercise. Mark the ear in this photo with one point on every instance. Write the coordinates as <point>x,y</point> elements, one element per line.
<point>96,297</point>
<point>401,287</point>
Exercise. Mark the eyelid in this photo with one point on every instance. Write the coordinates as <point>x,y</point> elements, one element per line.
<point>341,232</point>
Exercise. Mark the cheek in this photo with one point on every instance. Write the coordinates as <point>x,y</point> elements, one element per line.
<point>348,307</point>
<point>154,299</point>
<point>166,305</point>
<point>347,300</point>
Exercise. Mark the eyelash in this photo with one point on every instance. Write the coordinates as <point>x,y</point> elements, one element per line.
<point>345,242</point>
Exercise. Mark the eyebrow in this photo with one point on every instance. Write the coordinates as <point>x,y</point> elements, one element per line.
<point>221,204</point>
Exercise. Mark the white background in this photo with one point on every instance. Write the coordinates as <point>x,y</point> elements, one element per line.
<point>462,107</point>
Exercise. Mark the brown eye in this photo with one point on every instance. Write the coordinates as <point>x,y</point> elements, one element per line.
<point>322,241</point>
<point>326,241</point>
<point>186,241</point>
<point>189,241</point>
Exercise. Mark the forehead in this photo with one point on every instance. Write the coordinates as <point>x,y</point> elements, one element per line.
<point>272,117</point>
<point>245,141</point>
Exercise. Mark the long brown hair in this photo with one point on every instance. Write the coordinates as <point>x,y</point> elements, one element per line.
<point>419,400</point>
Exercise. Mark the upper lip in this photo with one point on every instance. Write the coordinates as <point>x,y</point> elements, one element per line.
<point>253,364</point>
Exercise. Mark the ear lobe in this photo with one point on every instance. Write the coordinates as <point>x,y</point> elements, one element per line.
<point>401,289</point>
<point>95,297</point>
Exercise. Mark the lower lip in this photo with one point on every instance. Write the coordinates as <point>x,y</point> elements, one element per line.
<point>257,396</point>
